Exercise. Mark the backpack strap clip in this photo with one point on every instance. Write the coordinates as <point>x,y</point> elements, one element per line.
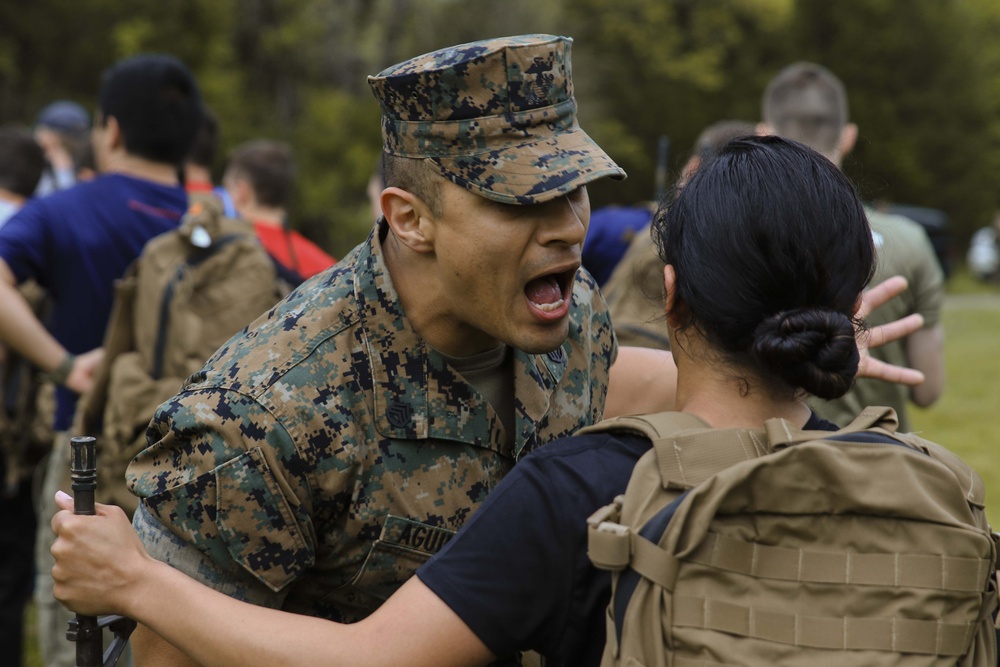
<point>608,542</point>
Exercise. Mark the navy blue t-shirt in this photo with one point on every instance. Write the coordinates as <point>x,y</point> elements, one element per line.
<point>518,574</point>
<point>76,243</point>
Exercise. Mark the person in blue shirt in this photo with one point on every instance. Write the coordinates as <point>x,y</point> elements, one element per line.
<point>76,242</point>
<point>516,576</point>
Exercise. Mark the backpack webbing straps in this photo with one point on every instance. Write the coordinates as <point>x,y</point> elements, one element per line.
<point>896,634</point>
<point>688,451</point>
<point>781,432</point>
<point>887,570</point>
<point>686,458</point>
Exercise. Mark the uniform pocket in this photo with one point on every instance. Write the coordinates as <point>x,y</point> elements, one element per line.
<point>257,522</point>
<point>237,512</point>
<point>402,547</point>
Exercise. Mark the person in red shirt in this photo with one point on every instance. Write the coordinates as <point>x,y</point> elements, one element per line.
<point>260,177</point>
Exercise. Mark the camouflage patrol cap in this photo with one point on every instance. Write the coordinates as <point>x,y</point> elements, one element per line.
<point>497,117</point>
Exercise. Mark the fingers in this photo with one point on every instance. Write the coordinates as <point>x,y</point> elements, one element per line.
<point>895,330</point>
<point>64,501</point>
<point>875,296</point>
<point>874,368</point>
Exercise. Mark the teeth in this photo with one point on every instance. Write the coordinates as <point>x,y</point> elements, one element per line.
<point>549,307</point>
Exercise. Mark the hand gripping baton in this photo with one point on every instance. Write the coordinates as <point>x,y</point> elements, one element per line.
<point>86,631</point>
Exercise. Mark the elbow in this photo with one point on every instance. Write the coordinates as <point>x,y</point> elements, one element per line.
<point>924,397</point>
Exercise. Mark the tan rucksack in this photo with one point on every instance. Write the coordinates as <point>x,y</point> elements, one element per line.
<point>189,292</point>
<point>785,547</point>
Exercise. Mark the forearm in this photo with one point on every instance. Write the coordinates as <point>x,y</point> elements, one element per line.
<point>21,330</point>
<point>642,381</point>
<point>214,629</point>
<point>925,352</point>
<point>413,628</point>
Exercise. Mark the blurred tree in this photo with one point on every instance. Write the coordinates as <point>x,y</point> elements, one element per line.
<point>915,80</point>
<point>649,68</point>
<point>923,77</point>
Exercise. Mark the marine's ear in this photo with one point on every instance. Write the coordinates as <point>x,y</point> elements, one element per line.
<point>848,137</point>
<point>409,218</point>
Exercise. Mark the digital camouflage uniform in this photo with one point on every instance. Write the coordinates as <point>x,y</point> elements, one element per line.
<point>321,456</point>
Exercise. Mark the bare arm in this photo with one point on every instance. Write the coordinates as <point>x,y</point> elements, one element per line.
<point>925,352</point>
<point>23,332</point>
<point>643,381</point>
<point>151,650</point>
<point>101,567</point>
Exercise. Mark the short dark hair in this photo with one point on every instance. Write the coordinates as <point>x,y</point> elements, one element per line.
<point>807,103</point>
<point>771,248</point>
<point>22,160</point>
<point>268,167</point>
<point>156,101</point>
<point>414,175</point>
<point>206,142</point>
<point>720,133</point>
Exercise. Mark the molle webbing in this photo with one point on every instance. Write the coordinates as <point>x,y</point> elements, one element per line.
<point>900,635</point>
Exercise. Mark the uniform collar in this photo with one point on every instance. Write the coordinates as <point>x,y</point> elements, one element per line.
<point>418,395</point>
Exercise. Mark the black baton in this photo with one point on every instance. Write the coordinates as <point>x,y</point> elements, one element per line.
<point>87,631</point>
<point>84,630</point>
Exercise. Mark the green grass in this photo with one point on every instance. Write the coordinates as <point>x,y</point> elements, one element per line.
<point>962,419</point>
<point>31,656</point>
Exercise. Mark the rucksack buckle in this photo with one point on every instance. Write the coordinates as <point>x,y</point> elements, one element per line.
<point>608,542</point>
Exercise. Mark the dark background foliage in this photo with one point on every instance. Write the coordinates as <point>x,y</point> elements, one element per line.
<point>923,78</point>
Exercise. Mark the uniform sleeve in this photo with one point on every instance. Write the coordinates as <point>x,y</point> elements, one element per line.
<point>164,546</point>
<point>24,242</point>
<point>226,478</point>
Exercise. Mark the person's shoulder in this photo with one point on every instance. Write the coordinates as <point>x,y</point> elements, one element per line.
<point>590,451</point>
<point>314,327</point>
<point>895,226</point>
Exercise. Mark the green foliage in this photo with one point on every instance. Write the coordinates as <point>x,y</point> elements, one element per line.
<point>914,79</point>
<point>924,82</point>
<point>337,140</point>
<point>669,68</point>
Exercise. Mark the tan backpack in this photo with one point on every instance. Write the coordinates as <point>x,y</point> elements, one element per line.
<point>189,292</point>
<point>785,547</point>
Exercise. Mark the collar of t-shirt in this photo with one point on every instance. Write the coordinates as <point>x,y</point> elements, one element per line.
<point>492,374</point>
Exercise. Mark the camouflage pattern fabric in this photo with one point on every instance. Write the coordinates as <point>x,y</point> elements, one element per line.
<point>497,117</point>
<point>328,451</point>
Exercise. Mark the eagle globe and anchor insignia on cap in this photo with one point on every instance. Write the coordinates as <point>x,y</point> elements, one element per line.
<point>497,117</point>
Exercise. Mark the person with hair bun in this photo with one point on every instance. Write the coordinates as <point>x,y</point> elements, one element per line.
<point>767,251</point>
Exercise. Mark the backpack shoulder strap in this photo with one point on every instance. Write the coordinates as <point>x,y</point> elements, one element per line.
<point>781,432</point>
<point>688,450</point>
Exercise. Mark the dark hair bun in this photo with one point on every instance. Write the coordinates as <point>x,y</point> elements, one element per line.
<point>809,348</point>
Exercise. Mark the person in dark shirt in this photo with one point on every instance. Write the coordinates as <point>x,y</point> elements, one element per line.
<point>76,242</point>
<point>516,577</point>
